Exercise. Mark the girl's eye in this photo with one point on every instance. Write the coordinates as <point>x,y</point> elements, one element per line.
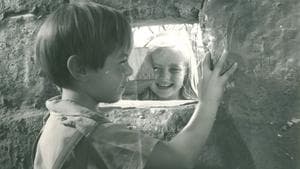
<point>175,70</point>
<point>155,69</point>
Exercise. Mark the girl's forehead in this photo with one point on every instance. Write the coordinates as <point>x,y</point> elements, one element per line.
<point>168,56</point>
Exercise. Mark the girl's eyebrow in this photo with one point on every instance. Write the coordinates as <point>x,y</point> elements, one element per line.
<point>177,65</point>
<point>171,65</point>
<point>155,64</point>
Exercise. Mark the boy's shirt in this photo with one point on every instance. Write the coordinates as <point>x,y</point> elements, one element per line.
<point>77,137</point>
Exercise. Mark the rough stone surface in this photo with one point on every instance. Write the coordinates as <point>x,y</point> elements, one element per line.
<point>263,37</point>
<point>142,12</point>
<point>137,10</point>
<point>17,135</point>
<point>20,84</point>
<point>261,101</point>
<point>10,8</point>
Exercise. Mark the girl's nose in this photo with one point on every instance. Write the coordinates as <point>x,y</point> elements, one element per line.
<point>164,75</point>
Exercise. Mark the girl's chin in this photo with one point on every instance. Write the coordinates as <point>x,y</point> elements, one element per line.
<point>167,96</point>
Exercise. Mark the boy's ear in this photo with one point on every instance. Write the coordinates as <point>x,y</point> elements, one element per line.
<point>76,67</point>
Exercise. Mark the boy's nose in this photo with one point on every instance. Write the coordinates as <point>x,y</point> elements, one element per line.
<point>128,70</point>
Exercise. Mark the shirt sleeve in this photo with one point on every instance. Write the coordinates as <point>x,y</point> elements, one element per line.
<point>164,157</point>
<point>122,148</point>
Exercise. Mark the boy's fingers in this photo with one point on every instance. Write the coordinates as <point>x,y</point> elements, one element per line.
<point>211,63</point>
<point>226,47</point>
<point>229,72</point>
<point>207,63</point>
<point>221,62</point>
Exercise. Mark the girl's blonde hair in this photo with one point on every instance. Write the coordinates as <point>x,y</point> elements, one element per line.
<point>180,43</point>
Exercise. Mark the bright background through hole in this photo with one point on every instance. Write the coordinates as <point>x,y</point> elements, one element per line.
<point>145,34</point>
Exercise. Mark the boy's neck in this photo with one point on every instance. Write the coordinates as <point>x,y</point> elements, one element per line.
<point>79,98</point>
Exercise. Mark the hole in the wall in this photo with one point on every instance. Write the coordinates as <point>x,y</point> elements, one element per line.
<point>145,35</point>
<point>186,38</point>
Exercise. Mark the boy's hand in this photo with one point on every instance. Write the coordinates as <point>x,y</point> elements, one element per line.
<point>212,80</point>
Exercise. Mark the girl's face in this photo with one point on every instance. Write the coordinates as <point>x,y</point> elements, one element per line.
<point>169,70</point>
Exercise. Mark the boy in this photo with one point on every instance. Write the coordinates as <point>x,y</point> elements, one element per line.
<point>83,48</point>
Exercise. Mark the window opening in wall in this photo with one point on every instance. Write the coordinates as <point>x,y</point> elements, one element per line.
<point>151,80</point>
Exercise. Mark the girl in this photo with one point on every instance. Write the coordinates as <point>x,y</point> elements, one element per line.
<point>174,69</point>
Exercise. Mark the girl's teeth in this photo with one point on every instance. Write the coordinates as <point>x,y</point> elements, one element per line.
<point>164,85</point>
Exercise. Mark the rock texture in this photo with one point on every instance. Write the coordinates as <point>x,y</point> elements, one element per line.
<point>263,37</point>
<point>261,105</point>
<point>17,135</point>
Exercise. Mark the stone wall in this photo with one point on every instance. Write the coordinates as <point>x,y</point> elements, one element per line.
<point>263,37</point>
<point>261,104</point>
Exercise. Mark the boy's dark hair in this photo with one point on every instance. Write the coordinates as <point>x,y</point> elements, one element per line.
<point>86,29</point>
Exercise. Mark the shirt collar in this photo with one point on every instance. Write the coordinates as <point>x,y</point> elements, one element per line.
<point>61,107</point>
